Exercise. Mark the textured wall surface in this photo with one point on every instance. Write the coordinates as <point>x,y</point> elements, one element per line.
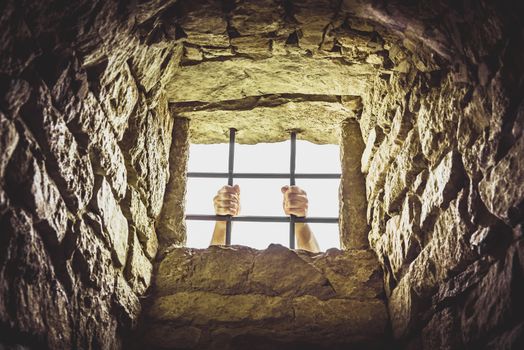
<point>89,94</point>
<point>444,155</point>
<point>237,297</point>
<point>85,136</point>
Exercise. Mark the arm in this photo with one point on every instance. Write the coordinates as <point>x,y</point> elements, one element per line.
<point>226,202</point>
<point>296,203</point>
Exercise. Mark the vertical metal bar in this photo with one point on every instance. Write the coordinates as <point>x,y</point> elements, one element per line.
<point>230,178</point>
<point>292,162</point>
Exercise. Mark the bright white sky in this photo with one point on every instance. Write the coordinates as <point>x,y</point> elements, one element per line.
<point>263,196</point>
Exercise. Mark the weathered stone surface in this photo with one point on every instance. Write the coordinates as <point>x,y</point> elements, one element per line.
<point>375,137</point>
<point>136,214</point>
<point>28,281</point>
<point>353,204</point>
<point>495,300</point>
<point>92,259</point>
<point>274,291</point>
<point>404,307</point>
<point>406,166</point>
<point>166,336</point>
<point>106,156</point>
<point>447,252</point>
<point>126,302</point>
<point>401,242</point>
<point>260,119</point>
<point>29,184</point>
<point>171,225</point>
<point>442,185</point>
<point>502,188</point>
<point>138,270</point>
<point>115,227</point>
<point>121,96</point>
<point>70,168</point>
<point>8,140</point>
<point>443,331</point>
<point>241,77</point>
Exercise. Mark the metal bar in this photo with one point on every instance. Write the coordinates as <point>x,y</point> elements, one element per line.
<point>292,162</point>
<point>320,220</point>
<point>230,168</point>
<point>263,175</point>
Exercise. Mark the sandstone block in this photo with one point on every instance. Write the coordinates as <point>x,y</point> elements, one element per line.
<point>496,300</point>
<point>114,222</point>
<point>404,308</point>
<point>442,186</point>
<point>401,243</point>
<point>374,139</point>
<point>69,168</point>
<point>8,140</point>
<point>167,336</point>
<point>202,308</point>
<point>126,302</point>
<point>446,254</point>
<point>32,300</point>
<point>92,260</point>
<point>205,25</point>
<point>403,171</point>
<point>138,270</point>
<point>136,213</point>
<point>501,189</point>
<point>119,95</point>
<point>29,184</point>
<point>353,205</point>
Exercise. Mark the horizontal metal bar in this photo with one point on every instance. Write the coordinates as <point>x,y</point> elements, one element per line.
<point>323,220</point>
<point>262,175</point>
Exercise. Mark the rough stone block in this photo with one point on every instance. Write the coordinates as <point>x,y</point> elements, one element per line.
<point>8,141</point>
<point>136,213</point>
<point>496,300</point>
<point>353,204</point>
<point>374,139</point>
<point>442,186</point>
<point>138,270</point>
<point>404,308</point>
<point>69,168</point>
<point>276,293</point>
<point>126,302</point>
<point>92,260</point>
<point>501,189</point>
<point>92,126</point>
<point>446,254</point>
<point>401,243</point>
<point>403,171</point>
<point>29,185</point>
<point>115,225</point>
<point>443,331</point>
<point>32,300</point>
<point>118,95</point>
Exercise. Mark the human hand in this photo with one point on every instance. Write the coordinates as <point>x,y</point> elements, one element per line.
<point>227,201</point>
<point>295,201</point>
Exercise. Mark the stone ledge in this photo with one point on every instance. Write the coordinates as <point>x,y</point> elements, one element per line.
<point>274,294</point>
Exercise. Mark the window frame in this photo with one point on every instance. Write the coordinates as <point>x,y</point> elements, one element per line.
<point>292,176</point>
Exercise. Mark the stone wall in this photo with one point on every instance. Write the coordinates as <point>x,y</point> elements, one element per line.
<point>85,134</point>
<point>238,297</point>
<point>444,163</point>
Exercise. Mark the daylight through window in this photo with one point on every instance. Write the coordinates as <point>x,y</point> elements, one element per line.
<point>262,197</point>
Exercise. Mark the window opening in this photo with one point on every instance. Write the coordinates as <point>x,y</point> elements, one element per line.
<point>292,176</point>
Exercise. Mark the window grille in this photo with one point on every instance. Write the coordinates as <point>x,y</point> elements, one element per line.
<point>292,176</point>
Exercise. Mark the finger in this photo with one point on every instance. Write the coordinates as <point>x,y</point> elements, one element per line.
<point>228,196</point>
<point>295,196</point>
<point>229,189</point>
<point>226,211</point>
<point>296,189</point>
<point>284,189</point>
<point>227,203</point>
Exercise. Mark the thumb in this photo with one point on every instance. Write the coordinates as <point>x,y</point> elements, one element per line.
<point>284,189</point>
<point>236,188</point>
